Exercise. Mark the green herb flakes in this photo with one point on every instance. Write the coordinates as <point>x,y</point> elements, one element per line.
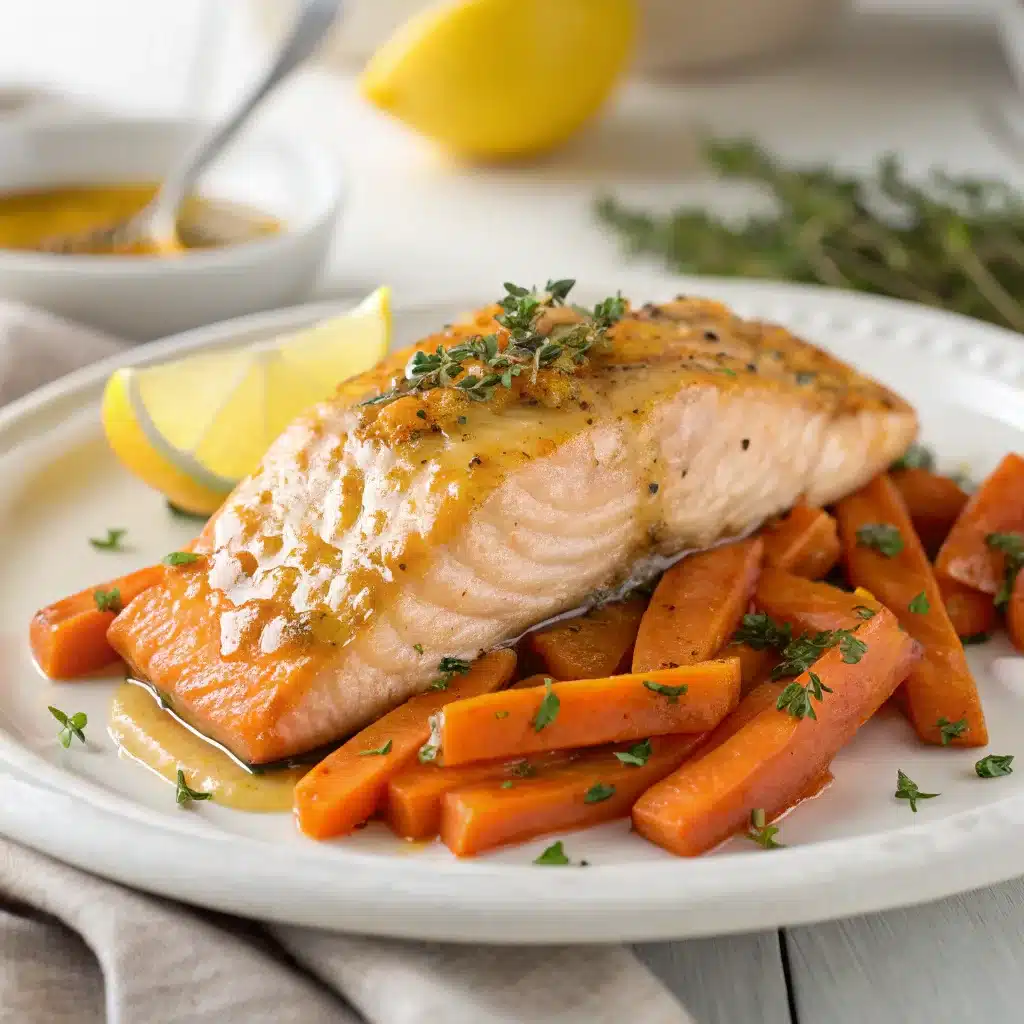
<point>920,604</point>
<point>112,541</point>
<point>906,789</point>
<point>427,753</point>
<point>184,794</point>
<point>70,726</point>
<point>553,855</point>
<point>548,710</point>
<point>598,792</point>
<point>949,731</point>
<point>994,765</point>
<point>862,611</point>
<point>108,600</point>
<point>760,631</point>
<point>671,693</point>
<point>917,456</point>
<point>180,558</point>
<point>796,699</point>
<point>761,832</point>
<point>380,751</point>
<point>500,714</point>
<point>637,755</point>
<point>883,537</point>
<point>1012,546</point>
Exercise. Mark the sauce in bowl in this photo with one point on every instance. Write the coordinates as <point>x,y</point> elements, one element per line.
<point>30,220</point>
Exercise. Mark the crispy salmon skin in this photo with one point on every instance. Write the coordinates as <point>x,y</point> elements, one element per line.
<point>401,524</point>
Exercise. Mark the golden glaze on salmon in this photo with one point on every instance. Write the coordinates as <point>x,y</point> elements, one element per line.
<point>375,540</point>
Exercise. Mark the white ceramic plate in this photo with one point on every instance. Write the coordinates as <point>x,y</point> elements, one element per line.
<point>853,850</point>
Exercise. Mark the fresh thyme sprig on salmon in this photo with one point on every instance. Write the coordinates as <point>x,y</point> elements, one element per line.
<point>495,474</point>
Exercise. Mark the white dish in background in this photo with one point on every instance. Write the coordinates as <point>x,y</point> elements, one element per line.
<point>142,297</point>
<point>853,850</point>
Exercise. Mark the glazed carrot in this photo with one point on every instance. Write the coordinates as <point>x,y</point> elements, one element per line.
<point>775,759</point>
<point>69,637</point>
<point>940,688</point>
<point>754,665</point>
<point>809,606</point>
<point>805,542</point>
<point>590,647</point>
<point>933,501</point>
<point>538,679</point>
<point>996,507</point>
<point>970,611</point>
<point>595,787</point>
<point>587,712</point>
<point>1015,613</point>
<point>697,607</point>
<point>414,797</point>
<point>346,786</point>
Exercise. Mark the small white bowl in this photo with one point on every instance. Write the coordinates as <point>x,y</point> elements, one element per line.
<point>142,297</point>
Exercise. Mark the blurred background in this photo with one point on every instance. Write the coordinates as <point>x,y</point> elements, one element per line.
<point>838,82</point>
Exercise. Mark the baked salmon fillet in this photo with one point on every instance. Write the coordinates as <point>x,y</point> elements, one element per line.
<point>494,475</point>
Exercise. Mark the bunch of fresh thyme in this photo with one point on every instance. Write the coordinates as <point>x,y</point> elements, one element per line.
<point>955,242</point>
<point>527,348</point>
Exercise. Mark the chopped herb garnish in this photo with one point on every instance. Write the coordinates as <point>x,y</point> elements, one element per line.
<point>761,832</point>
<point>906,789</point>
<point>527,349</point>
<point>920,604</point>
<point>522,770</point>
<point>796,699</point>
<point>426,753</point>
<point>379,752</point>
<point>1012,546</point>
<point>917,456</point>
<point>761,631</point>
<point>637,754</point>
<point>418,648</point>
<point>883,537</point>
<point>180,558</point>
<point>548,710</point>
<point>975,638</point>
<point>949,731</point>
<point>108,600</point>
<point>673,693</point>
<point>501,714</point>
<point>507,784</point>
<point>449,668</point>
<point>112,541</point>
<point>598,792</point>
<point>800,654</point>
<point>994,765</point>
<point>71,725</point>
<point>554,854</point>
<point>862,611</point>
<point>184,793</point>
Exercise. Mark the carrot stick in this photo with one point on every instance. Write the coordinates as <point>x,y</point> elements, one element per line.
<point>346,786</point>
<point>587,712</point>
<point>415,794</point>
<point>531,682</point>
<point>809,606</point>
<point>775,759</point>
<point>804,542</point>
<point>996,507</point>
<point>592,646</point>
<point>933,501</point>
<point>940,688</point>
<point>970,611</point>
<point>697,606</point>
<point>754,665</point>
<point>595,787</point>
<point>69,638</point>
<point>1015,613</point>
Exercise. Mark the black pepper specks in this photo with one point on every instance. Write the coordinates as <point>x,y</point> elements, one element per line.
<point>752,367</point>
<point>685,471</point>
<point>711,336</point>
<point>745,443</point>
<point>652,487</point>
<point>422,413</point>
<point>476,461</point>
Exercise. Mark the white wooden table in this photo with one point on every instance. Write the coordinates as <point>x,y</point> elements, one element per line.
<point>889,82</point>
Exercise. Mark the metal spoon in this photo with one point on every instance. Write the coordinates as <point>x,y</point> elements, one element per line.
<point>154,227</point>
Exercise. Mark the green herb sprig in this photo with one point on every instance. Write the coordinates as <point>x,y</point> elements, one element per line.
<point>760,631</point>
<point>796,699</point>
<point>761,832</point>
<point>528,350</point>
<point>1012,546</point>
<point>907,789</point>
<point>547,712</point>
<point>952,242</point>
<point>800,654</point>
<point>949,731</point>
<point>994,765</point>
<point>883,537</point>
<point>184,794</point>
<point>108,600</point>
<point>112,541</point>
<point>637,755</point>
<point>71,726</point>
<point>449,669</point>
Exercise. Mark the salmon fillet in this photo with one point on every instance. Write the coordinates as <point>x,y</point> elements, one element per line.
<point>376,540</point>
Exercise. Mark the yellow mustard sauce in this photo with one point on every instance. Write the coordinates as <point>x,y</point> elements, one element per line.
<point>28,220</point>
<point>144,732</point>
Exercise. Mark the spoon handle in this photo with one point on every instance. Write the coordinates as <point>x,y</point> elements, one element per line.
<point>311,25</point>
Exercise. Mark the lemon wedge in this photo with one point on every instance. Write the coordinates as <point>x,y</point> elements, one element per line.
<point>193,428</point>
<point>502,78</point>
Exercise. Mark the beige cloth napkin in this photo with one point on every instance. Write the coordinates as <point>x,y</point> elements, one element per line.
<point>75,948</point>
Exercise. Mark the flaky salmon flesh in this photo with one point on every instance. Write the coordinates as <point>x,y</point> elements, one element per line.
<point>377,541</point>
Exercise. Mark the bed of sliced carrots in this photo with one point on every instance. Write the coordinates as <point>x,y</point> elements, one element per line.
<point>688,710</point>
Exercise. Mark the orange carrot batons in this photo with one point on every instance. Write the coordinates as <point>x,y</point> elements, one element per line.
<point>971,611</point>
<point>996,507</point>
<point>1015,614</point>
<point>69,638</point>
<point>697,607</point>
<point>592,646</point>
<point>587,712</point>
<point>805,542</point>
<point>884,555</point>
<point>933,501</point>
<point>346,786</point>
<point>775,759</point>
<point>595,787</point>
